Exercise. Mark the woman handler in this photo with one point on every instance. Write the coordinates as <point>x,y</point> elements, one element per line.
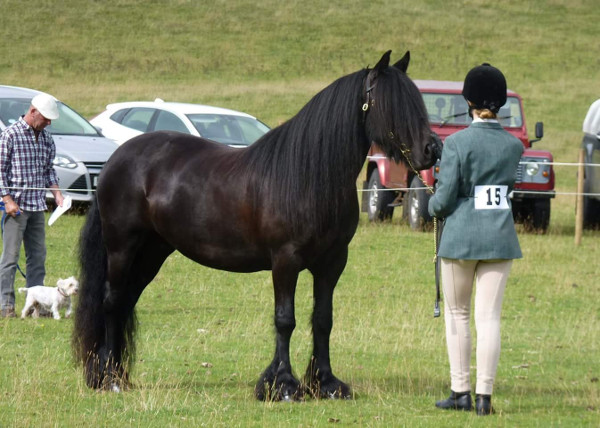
<point>479,241</point>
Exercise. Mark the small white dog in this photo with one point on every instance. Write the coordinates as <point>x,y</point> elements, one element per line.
<point>50,299</point>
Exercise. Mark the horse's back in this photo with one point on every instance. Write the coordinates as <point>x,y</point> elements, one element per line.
<point>155,156</point>
<point>189,191</point>
<point>147,150</point>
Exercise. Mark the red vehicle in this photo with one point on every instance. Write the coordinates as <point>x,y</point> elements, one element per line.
<point>393,184</point>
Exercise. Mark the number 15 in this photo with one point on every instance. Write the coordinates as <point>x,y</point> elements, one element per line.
<point>496,196</point>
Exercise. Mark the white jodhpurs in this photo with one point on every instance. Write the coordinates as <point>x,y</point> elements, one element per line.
<point>458,277</point>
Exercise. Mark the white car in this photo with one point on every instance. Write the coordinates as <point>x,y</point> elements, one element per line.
<point>122,121</point>
<point>81,150</point>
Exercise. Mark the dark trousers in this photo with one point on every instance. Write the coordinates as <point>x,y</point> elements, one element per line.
<point>29,229</point>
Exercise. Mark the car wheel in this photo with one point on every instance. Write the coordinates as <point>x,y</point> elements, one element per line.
<point>379,199</point>
<point>534,214</point>
<point>518,211</point>
<point>418,199</point>
<point>540,216</point>
<point>591,207</point>
<point>591,213</point>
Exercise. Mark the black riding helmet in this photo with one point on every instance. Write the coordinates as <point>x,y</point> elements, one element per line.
<point>485,87</point>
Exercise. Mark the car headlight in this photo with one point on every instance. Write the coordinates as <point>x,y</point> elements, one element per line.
<point>536,170</point>
<point>532,168</point>
<point>64,161</point>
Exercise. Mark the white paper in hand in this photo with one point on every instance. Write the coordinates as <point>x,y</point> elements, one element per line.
<point>60,210</point>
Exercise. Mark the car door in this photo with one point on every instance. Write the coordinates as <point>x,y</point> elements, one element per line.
<point>167,121</point>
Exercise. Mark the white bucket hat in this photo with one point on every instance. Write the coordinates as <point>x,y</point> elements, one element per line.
<point>46,105</point>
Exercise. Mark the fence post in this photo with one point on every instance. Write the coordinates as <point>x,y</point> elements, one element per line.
<point>579,205</point>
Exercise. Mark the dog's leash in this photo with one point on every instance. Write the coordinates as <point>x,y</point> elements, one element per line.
<point>4,216</point>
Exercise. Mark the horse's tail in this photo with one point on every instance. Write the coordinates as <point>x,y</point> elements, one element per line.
<point>105,361</point>
<point>90,322</point>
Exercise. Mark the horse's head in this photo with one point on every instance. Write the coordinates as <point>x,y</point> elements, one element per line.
<point>395,115</point>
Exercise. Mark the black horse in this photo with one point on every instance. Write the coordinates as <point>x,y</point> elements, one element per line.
<point>286,203</point>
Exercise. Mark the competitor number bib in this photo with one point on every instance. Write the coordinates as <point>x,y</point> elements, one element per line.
<point>491,197</point>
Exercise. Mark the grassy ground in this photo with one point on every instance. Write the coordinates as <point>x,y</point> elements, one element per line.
<point>206,335</point>
<point>268,58</point>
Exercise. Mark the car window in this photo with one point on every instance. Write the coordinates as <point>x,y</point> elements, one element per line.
<point>11,109</point>
<point>167,121</point>
<point>452,109</point>
<point>449,109</point>
<point>69,121</point>
<point>118,115</point>
<point>252,129</point>
<point>510,113</point>
<point>138,118</point>
<point>228,129</point>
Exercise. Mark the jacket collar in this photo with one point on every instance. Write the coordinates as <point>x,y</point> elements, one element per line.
<point>488,125</point>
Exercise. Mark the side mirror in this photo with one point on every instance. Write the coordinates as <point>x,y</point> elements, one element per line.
<point>539,132</point>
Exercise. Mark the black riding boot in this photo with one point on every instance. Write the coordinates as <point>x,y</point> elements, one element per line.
<point>483,404</point>
<point>456,401</point>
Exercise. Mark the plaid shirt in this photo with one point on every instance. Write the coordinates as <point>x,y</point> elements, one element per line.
<point>26,163</point>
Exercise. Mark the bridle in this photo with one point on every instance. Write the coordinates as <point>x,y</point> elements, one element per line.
<point>369,102</point>
<point>369,86</point>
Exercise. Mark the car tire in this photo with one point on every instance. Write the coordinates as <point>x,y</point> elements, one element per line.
<point>591,208</point>
<point>540,216</point>
<point>534,214</point>
<point>416,206</point>
<point>591,213</point>
<point>379,199</point>
<point>518,211</point>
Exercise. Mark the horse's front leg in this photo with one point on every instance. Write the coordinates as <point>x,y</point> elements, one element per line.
<point>319,378</point>
<point>277,382</point>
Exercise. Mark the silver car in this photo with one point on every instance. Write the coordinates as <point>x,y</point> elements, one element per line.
<point>591,183</point>
<point>81,151</point>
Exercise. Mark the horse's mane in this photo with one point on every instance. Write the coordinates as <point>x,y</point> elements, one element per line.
<point>307,167</point>
<point>309,158</point>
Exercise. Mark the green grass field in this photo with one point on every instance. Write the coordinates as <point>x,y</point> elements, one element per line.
<point>205,335</point>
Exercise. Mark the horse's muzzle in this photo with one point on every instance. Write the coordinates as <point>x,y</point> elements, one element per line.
<point>435,146</point>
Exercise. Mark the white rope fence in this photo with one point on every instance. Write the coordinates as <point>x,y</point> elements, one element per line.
<point>393,189</point>
<point>523,162</point>
<point>529,192</point>
<point>50,188</point>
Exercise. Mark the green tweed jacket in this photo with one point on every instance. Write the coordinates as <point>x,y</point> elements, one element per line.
<point>477,172</point>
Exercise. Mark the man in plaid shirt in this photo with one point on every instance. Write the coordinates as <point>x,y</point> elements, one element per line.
<point>26,154</point>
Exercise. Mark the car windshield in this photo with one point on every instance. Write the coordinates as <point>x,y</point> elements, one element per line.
<point>452,109</point>
<point>228,129</point>
<point>69,122</point>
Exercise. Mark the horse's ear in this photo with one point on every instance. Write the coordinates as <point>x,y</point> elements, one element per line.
<point>383,63</point>
<point>403,63</point>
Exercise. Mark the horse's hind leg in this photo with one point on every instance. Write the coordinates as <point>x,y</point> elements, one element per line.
<point>129,274</point>
<point>277,382</point>
<point>319,378</point>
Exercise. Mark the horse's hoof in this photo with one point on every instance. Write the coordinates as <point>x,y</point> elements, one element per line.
<point>115,388</point>
<point>334,389</point>
<point>340,394</point>
<point>283,390</point>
